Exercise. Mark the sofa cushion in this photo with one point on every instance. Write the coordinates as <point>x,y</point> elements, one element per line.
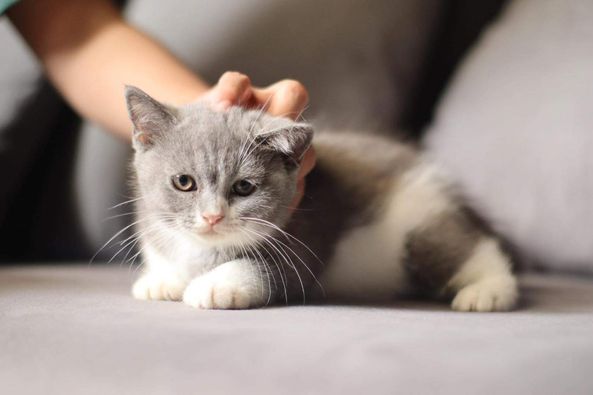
<point>76,329</point>
<point>516,127</point>
<point>359,61</point>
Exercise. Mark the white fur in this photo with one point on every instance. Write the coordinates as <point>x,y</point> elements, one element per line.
<point>165,278</point>
<point>192,272</point>
<point>158,287</point>
<point>233,285</point>
<point>162,280</point>
<point>367,262</point>
<point>485,282</point>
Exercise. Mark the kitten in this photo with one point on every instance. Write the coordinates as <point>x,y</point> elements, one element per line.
<point>376,221</point>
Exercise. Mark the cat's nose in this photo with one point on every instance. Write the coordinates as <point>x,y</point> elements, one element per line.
<point>213,219</point>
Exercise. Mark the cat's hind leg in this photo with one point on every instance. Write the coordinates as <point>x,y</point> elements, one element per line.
<point>485,281</point>
<point>455,254</point>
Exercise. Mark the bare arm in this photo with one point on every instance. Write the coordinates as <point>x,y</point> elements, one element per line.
<point>89,53</point>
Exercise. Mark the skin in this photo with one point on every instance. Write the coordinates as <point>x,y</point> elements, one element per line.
<point>89,53</point>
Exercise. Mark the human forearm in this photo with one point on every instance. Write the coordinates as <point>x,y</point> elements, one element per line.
<point>89,53</point>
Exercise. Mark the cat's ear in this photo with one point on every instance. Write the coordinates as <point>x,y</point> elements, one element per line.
<point>150,118</point>
<point>291,141</point>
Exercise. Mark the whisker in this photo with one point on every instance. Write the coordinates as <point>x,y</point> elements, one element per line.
<point>263,261</point>
<point>118,216</point>
<point>133,241</point>
<point>112,238</point>
<point>246,256</point>
<point>286,258</point>
<point>276,261</point>
<point>303,262</point>
<point>289,236</point>
<point>283,232</point>
<point>126,202</point>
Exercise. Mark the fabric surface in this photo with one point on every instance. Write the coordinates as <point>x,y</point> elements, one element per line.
<point>515,128</point>
<point>76,329</point>
<point>359,60</point>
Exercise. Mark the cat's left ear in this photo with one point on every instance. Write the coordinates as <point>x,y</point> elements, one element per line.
<point>151,119</point>
<point>292,141</point>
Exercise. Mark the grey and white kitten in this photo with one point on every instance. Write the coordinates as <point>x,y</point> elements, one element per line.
<point>377,221</point>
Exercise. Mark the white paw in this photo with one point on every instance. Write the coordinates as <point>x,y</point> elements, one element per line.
<point>207,294</point>
<point>228,286</point>
<point>152,287</point>
<point>493,294</point>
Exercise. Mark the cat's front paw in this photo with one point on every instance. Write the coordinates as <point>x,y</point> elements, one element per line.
<point>228,286</point>
<point>152,287</point>
<point>495,294</point>
<point>207,294</point>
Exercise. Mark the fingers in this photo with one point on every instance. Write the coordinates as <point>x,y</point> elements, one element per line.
<point>298,196</point>
<point>233,88</point>
<point>307,163</point>
<point>286,98</point>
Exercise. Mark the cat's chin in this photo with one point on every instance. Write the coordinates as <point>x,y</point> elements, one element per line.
<point>218,238</point>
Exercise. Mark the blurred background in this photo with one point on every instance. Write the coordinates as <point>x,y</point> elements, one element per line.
<point>498,91</point>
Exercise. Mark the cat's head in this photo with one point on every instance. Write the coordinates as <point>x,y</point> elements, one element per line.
<point>220,178</point>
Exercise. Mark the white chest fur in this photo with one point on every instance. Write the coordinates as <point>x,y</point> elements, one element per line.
<point>180,256</point>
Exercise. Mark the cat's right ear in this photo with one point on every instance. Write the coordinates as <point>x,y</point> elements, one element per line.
<point>150,118</point>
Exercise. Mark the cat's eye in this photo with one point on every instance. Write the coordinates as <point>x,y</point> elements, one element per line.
<point>184,182</point>
<point>243,188</point>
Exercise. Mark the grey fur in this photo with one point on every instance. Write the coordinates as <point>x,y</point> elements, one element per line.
<point>435,251</point>
<point>346,190</point>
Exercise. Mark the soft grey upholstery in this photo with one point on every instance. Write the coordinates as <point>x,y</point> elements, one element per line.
<point>515,128</point>
<point>76,329</point>
<point>359,60</point>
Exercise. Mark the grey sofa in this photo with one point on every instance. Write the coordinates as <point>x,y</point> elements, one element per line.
<point>72,327</point>
<point>76,330</point>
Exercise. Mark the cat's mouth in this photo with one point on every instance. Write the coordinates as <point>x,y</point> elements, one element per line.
<point>210,232</point>
<point>215,232</point>
<point>221,237</point>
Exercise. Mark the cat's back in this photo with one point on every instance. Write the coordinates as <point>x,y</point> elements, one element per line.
<point>352,183</point>
<point>364,196</point>
<point>363,163</point>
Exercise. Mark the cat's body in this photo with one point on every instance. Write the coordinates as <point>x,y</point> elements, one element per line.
<point>376,221</point>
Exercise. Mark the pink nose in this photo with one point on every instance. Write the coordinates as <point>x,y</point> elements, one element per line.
<point>212,219</point>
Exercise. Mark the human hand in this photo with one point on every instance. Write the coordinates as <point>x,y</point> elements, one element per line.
<point>286,98</point>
